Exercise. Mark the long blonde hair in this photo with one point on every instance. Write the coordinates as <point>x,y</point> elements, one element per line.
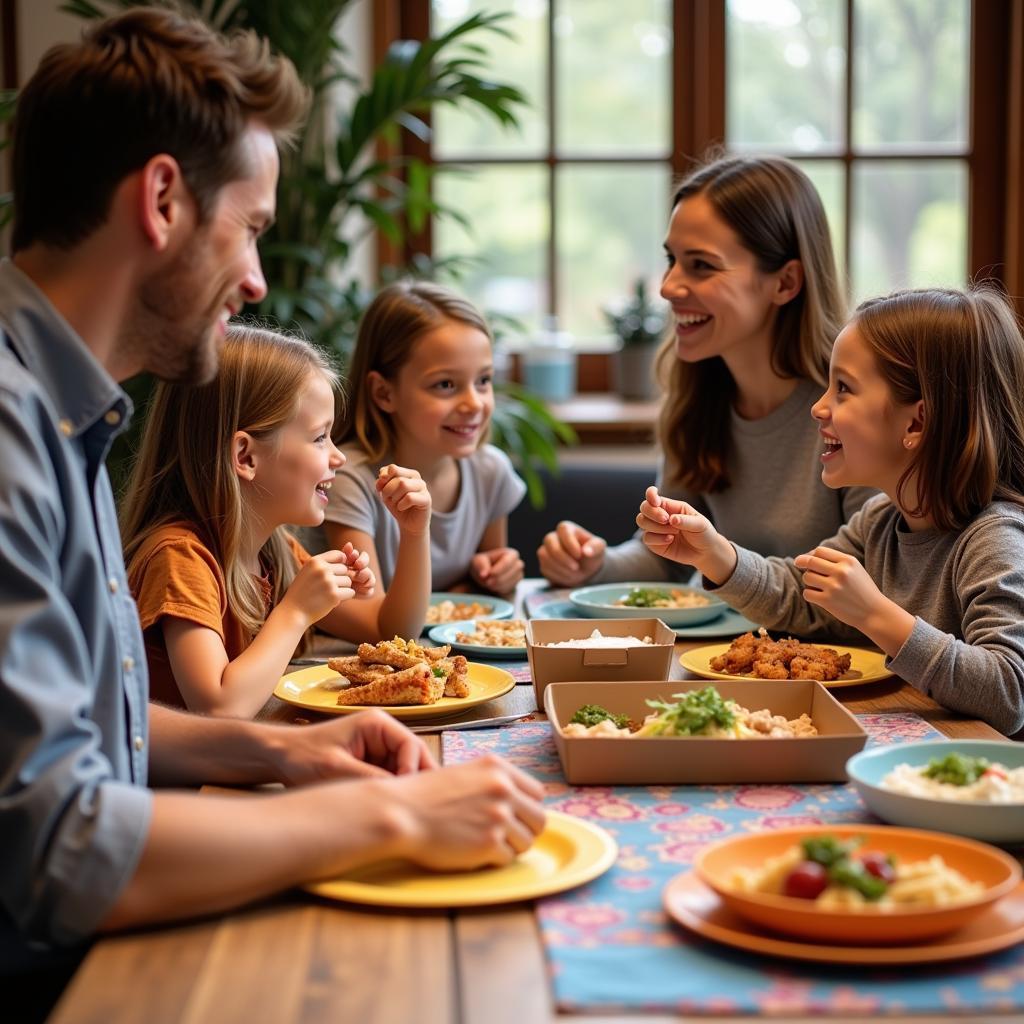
<point>778,216</point>
<point>398,317</point>
<point>183,471</point>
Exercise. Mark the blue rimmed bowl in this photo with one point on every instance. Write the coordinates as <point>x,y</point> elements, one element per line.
<point>990,822</point>
<point>600,602</point>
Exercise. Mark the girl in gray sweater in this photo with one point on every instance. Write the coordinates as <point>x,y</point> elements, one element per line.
<point>756,304</point>
<point>926,403</point>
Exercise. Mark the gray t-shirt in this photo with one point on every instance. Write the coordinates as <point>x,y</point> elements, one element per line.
<point>776,504</point>
<point>966,589</point>
<point>488,489</point>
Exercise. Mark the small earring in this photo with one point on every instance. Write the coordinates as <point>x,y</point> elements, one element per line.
<point>907,443</point>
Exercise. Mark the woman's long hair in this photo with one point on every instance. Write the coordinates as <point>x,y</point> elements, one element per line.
<point>960,353</point>
<point>778,216</point>
<point>183,471</point>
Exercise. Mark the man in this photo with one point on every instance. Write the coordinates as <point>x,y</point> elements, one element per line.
<point>145,166</point>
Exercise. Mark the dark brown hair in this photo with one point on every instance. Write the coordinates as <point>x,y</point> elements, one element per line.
<point>398,317</point>
<point>148,81</point>
<point>777,214</point>
<point>960,353</point>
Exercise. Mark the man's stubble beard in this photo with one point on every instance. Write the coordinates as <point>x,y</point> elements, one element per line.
<point>173,340</point>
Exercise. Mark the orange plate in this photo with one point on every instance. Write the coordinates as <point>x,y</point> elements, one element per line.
<point>997,871</point>
<point>690,902</point>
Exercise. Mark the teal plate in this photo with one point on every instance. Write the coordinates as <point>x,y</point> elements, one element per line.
<point>445,634</point>
<point>729,623</point>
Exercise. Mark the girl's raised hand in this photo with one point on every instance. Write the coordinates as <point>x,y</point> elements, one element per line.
<point>363,580</point>
<point>406,497</point>
<point>676,530</point>
<point>319,586</point>
<point>498,570</point>
<point>570,555</point>
<point>837,582</point>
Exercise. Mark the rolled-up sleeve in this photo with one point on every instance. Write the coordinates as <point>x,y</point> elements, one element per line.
<point>73,825</point>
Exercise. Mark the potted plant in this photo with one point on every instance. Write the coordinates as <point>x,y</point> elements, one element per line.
<point>347,163</point>
<point>639,325</point>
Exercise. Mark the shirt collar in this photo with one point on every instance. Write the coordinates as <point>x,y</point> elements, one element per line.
<point>80,388</point>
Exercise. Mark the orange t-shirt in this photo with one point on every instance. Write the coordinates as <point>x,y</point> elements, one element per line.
<point>175,574</point>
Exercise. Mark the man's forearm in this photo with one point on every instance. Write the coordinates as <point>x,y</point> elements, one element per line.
<point>205,854</point>
<point>191,750</point>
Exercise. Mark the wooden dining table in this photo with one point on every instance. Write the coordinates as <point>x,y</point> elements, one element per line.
<point>297,959</point>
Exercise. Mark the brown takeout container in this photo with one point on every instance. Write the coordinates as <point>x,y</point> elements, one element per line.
<point>589,760</point>
<point>619,664</point>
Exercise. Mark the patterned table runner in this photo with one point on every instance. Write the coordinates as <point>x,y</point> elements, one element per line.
<point>611,948</point>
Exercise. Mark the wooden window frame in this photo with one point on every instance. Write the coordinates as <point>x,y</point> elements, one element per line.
<point>994,154</point>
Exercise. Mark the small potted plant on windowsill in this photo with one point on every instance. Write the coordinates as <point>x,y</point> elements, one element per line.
<point>639,325</point>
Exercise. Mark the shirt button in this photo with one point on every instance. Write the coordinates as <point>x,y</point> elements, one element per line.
<point>113,417</point>
<point>66,428</point>
<point>139,743</point>
<point>129,664</point>
<point>113,585</point>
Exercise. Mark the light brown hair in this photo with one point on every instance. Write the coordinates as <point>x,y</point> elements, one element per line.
<point>184,474</point>
<point>778,216</point>
<point>961,354</point>
<point>400,314</point>
<point>145,82</point>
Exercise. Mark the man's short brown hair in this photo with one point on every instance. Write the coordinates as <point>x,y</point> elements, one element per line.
<point>148,81</point>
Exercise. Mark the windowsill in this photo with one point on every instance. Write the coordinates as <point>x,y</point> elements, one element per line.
<point>606,418</point>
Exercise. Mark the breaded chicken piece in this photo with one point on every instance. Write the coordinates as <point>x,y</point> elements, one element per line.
<point>456,675</point>
<point>414,685</point>
<point>399,653</point>
<point>355,670</point>
<point>789,658</point>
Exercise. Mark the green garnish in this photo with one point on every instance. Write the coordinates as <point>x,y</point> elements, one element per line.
<point>854,875</point>
<point>691,714</point>
<point>956,769</point>
<point>591,714</point>
<point>638,597</point>
<point>439,672</point>
<point>843,869</point>
<point>827,850</point>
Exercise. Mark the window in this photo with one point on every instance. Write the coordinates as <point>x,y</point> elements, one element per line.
<point>903,112</point>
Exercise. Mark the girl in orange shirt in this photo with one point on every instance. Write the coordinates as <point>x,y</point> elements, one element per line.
<point>225,593</point>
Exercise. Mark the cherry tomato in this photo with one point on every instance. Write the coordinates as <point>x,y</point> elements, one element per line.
<point>807,881</point>
<point>879,866</point>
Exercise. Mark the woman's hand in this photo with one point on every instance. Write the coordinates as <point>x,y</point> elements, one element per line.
<point>570,555</point>
<point>676,530</point>
<point>363,580</point>
<point>497,570</point>
<point>319,586</point>
<point>406,497</point>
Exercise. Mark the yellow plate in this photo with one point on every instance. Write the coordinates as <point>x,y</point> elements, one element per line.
<point>567,853</point>
<point>306,689</point>
<point>865,666</point>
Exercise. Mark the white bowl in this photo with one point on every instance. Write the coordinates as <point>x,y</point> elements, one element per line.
<point>990,822</point>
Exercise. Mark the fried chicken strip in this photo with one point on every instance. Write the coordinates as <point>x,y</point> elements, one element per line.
<point>414,685</point>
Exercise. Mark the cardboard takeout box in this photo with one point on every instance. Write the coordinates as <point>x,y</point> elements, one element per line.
<point>555,664</point>
<point>588,760</point>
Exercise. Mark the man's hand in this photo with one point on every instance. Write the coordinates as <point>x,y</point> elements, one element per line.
<point>468,816</point>
<point>497,570</point>
<point>570,555</point>
<point>368,744</point>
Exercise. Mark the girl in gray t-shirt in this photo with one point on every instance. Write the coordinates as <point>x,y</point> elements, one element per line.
<point>926,403</point>
<point>420,395</point>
